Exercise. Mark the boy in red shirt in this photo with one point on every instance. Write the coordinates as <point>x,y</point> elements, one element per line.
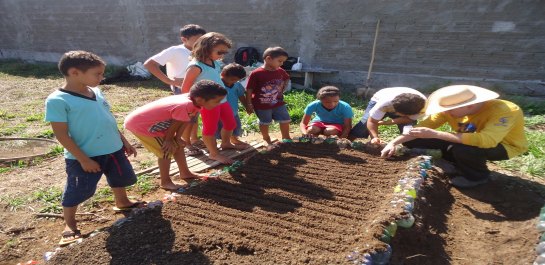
<point>265,93</point>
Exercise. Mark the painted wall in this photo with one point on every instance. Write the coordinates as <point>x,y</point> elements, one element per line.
<point>420,43</point>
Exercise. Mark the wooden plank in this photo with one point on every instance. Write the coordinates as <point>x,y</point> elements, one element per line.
<point>202,162</point>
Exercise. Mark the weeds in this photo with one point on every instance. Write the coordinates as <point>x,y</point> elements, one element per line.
<point>56,150</point>
<point>50,198</point>
<point>12,130</point>
<point>6,116</point>
<point>35,117</point>
<point>145,184</point>
<point>102,195</point>
<point>15,203</point>
<point>48,133</point>
<point>24,69</point>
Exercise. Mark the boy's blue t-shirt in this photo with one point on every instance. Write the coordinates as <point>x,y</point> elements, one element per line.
<point>233,93</point>
<point>91,125</point>
<point>209,72</point>
<point>336,115</point>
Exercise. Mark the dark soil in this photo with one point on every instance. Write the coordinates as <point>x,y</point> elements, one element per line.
<point>301,203</point>
<point>491,224</point>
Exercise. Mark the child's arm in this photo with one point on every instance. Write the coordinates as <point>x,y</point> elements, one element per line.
<point>346,127</point>
<point>249,106</point>
<point>60,129</point>
<point>190,76</point>
<point>153,68</point>
<point>129,149</point>
<point>372,125</point>
<point>400,120</point>
<point>168,142</point>
<point>243,101</point>
<point>304,123</point>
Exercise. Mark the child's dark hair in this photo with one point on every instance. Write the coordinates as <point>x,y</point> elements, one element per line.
<point>81,60</point>
<point>207,90</point>
<point>191,30</point>
<point>408,103</point>
<point>234,69</point>
<point>205,44</point>
<point>274,52</point>
<point>328,91</point>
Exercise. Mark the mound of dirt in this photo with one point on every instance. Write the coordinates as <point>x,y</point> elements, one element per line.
<point>300,203</point>
<point>491,224</point>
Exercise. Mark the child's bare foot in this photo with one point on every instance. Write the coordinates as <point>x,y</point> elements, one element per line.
<point>221,158</point>
<point>233,146</point>
<point>172,186</point>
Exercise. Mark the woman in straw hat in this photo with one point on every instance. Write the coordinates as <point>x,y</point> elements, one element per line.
<point>485,128</point>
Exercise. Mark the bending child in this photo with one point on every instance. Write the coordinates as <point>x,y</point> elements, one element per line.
<point>176,58</point>
<point>82,122</point>
<point>265,93</point>
<point>231,74</point>
<point>207,50</point>
<point>402,104</point>
<point>333,116</point>
<point>159,126</point>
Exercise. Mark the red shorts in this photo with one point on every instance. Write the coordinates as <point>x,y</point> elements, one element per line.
<point>323,125</point>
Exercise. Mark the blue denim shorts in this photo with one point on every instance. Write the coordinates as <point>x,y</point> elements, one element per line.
<point>236,132</point>
<point>279,114</point>
<point>81,185</point>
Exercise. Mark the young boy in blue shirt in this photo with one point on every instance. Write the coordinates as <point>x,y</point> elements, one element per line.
<point>231,74</point>
<point>82,122</point>
<point>333,116</point>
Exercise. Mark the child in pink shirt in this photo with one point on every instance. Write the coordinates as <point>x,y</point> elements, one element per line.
<point>159,126</point>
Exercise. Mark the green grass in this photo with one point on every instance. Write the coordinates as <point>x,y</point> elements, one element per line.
<point>35,117</point>
<point>102,195</point>
<point>532,162</point>
<point>50,198</point>
<point>4,115</point>
<point>56,150</point>
<point>534,120</point>
<point>7,131</point>
<point>24,69</point>
<point>15,203</point>
<point>47,133</point>
<point>144,184</point>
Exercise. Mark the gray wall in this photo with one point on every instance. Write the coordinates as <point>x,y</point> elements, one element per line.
<point>421,43</point>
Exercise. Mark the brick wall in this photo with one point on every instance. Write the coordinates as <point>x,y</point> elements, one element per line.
<point>501,41</point>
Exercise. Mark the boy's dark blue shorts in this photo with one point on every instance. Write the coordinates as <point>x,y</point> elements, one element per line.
<point>81,185</point>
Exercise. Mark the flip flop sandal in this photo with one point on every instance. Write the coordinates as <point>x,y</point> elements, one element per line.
<point>138,204</point>
<point>69,237</point>
<point>191,150</point>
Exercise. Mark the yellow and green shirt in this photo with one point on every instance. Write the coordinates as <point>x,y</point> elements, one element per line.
<point>497,122</point>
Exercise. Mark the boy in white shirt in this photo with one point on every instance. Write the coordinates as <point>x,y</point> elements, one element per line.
<point>402,104</point>
<point>176,59</point>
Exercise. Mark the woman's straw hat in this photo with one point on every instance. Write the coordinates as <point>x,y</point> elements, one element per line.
<point>452,97</point>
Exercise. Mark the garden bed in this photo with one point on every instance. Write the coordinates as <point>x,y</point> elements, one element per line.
<point>300,203</point>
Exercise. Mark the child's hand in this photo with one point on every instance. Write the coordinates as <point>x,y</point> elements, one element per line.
<point>250,109</point>
<point>90,166</point>
<point>177,82</point>
<point>129,150</point>
<point>169,146</point>
<point>376,141</point>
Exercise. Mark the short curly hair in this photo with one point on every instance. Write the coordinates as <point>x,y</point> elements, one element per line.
<point>408,103</point>
<point>234,69</point>
<point>81,60</point>
<point>207,90</point>
<point>274,52</point>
